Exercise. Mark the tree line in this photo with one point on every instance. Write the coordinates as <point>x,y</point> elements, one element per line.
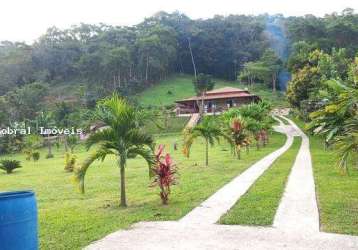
<point>128,58</point>
<point>324,84</point>
<point>113,57</point>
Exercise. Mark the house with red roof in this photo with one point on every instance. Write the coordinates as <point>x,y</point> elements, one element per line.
<point>216,101</point>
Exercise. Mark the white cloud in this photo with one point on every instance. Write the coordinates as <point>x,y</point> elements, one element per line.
<point>27,19</point>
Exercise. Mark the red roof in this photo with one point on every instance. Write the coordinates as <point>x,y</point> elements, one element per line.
<point>222,93</point>
<point>224,90</point>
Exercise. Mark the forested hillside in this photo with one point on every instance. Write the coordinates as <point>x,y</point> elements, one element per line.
<point>125,57</point>
<point>129,58</point>
<point>66,71</point>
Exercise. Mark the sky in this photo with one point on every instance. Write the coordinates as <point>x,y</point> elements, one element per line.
<point>26,20</point>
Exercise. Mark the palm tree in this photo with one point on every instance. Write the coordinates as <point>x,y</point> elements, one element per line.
<point>206,129</point>
<point>337,119</point>
<point>72,142</point>
<point>347,143</point>
<point>254,118</point>
<point>255,128</point>
<point>122,137</point>
<point>45,119</point>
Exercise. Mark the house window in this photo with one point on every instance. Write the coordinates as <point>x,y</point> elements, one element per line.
<point>210,104</point>
<point>229,103</point>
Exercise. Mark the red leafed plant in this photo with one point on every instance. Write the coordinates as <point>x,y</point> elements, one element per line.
<point>164,174</point>
<point>239,135</point>
<point>264,136</point>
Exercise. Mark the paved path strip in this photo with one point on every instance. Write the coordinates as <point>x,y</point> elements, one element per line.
<point>210,211</point>
<point>194,119</point>
<point>195,234</point>
<point>298,208</point>
<point>168,235</point>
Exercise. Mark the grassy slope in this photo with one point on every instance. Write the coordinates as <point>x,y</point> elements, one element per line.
<point>174,124</point>
<point>337,194</point>
<point>258,206</point>
<point>69,220</point>
<point>182,87</point>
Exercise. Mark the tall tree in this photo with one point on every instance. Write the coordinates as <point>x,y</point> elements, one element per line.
<point>266,69</point>
<point>23,103</point>
<point>16,67</point>
<point>116,62</point>
<point>273,64</point>
<point>202,84</point>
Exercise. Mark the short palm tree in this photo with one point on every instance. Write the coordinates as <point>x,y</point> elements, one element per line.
<point>46,120</point>
<point>255,128</point>
<point>9,165</point>
<point>122,137</point>
<point>206,129</point>
<point>72,142</point>
<point>253,118</point>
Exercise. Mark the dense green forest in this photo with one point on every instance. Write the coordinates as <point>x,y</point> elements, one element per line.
<point>64,72</point>
<point>122,57</point>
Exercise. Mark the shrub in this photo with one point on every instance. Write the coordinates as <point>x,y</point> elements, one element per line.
<point>72,142</point>
<point>9,165</point>
<point>31,143</point>
<point>70,161</point>
<point>48,156</point>
<point>28,154</point>
<point>36,156</point>
<point>164,172</point>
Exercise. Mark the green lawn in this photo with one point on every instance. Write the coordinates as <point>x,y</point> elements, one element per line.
<point>69,220</point>
<point>258,206</point>
<point>173,124</point>
<point>179,87</point>
<point>337,194</point>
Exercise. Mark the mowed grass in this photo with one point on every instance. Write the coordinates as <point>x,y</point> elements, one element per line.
<point>69,220</point>
<point>259,205</point>
<point>173,124</point>
<point>180,86</point>
<point>337,193</point>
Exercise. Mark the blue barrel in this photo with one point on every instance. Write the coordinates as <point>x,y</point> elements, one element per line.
<point>18,221</point>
